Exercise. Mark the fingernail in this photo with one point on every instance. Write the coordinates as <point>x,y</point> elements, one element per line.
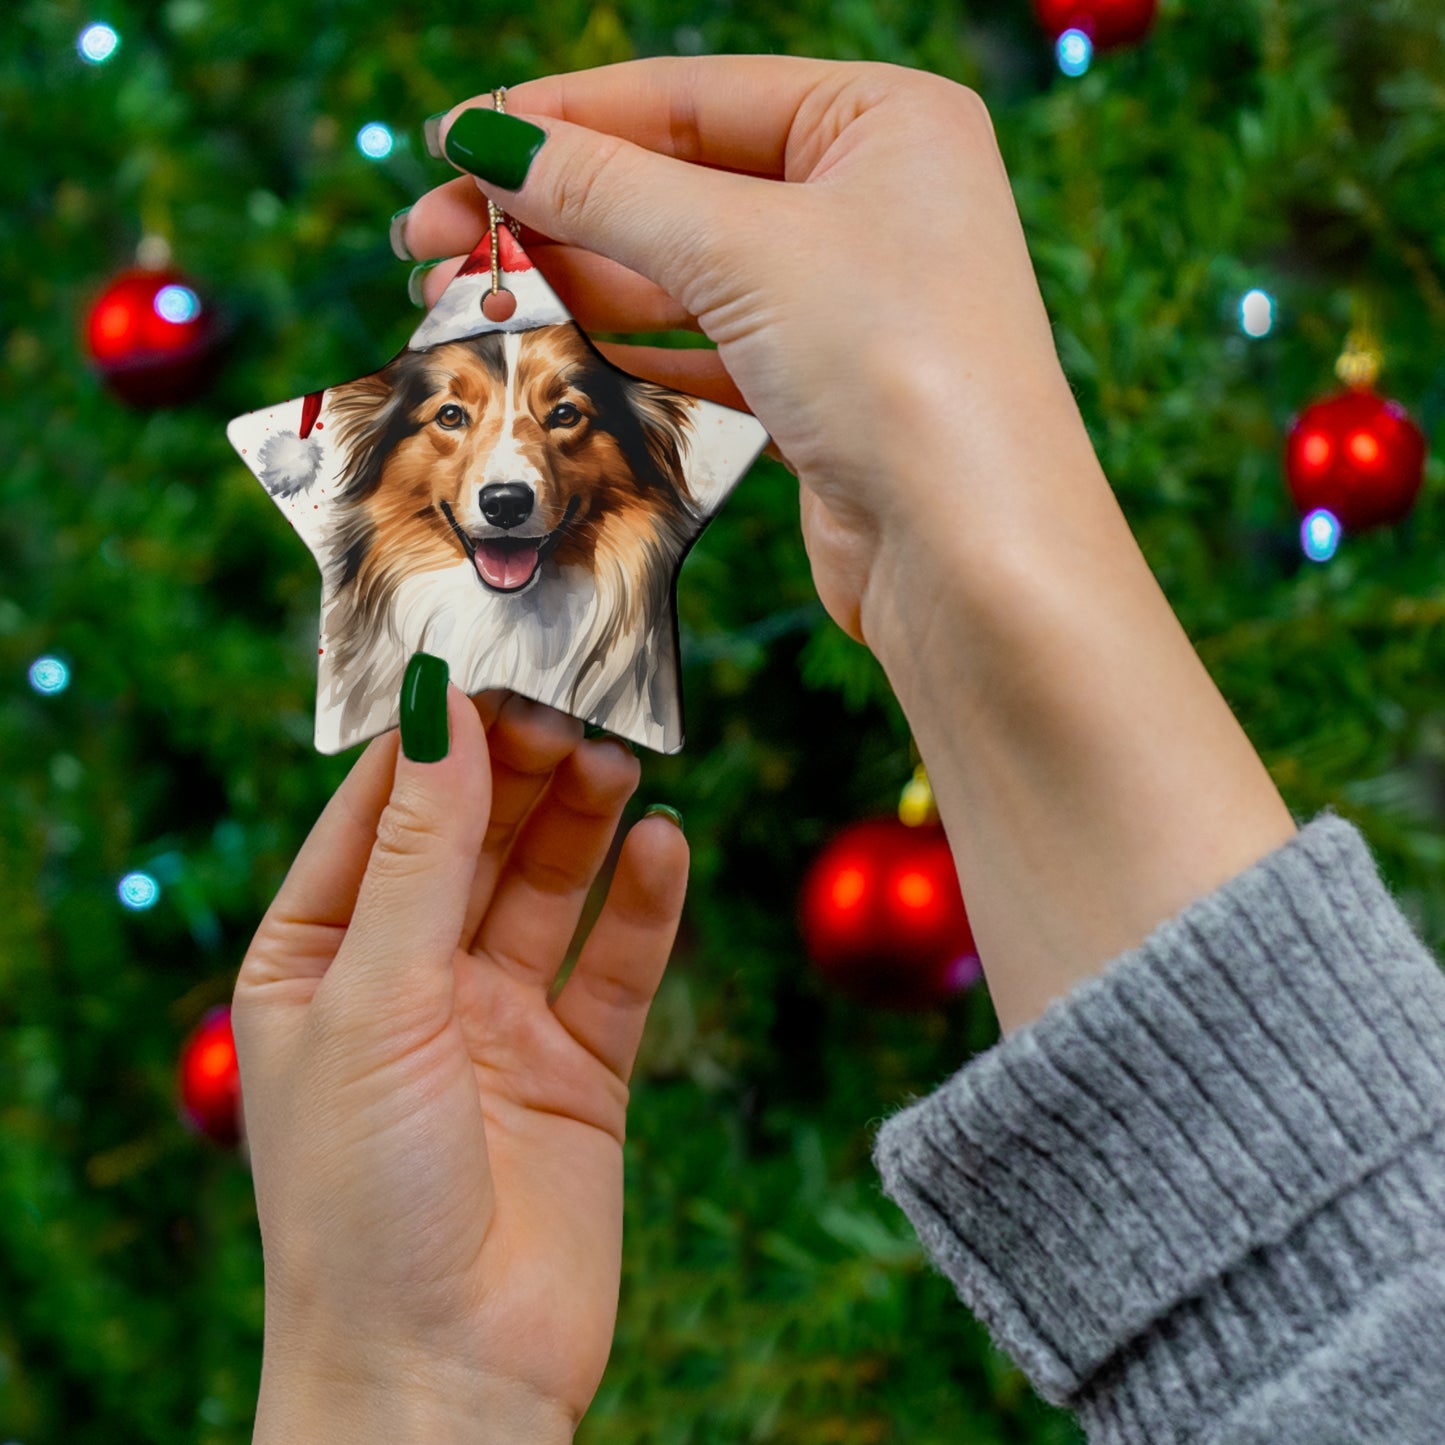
<point>431,133</point>
<point>414,290</point>
<point>498,148</point>
<point>398,235</point>
<point>424,734</point>
<point>671,814</point>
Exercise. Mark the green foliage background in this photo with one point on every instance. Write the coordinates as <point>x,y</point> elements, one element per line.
<point>770,1293</point>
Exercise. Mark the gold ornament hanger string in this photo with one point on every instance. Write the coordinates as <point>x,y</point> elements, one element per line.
<point>499,304</point>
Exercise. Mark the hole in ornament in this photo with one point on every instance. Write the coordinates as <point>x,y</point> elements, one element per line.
<point>499,305</point>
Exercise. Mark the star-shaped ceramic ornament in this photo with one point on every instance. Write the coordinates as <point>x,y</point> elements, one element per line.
<point>501,496</point>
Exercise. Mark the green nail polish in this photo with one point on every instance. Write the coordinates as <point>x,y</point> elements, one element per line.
<point>424,734</point>
<point>498,148</point>
<point>431,133</point>
<point>671,814</point>
<point>397,234</point>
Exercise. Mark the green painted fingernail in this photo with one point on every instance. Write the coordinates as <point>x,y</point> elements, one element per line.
<point>671,814</point>
<point>431,133</point>
<point>397,233</point>
<point>498,148</point>
<point>424,734</point>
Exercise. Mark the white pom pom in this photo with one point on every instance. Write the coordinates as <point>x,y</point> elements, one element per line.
<point>289,463</point>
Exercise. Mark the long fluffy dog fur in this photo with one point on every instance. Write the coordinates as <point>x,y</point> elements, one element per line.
<point>592,631</point>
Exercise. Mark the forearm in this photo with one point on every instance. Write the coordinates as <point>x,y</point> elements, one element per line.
<point>1092,779</point>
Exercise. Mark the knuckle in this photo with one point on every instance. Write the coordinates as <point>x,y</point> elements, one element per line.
<point>576,195</point>
<point>552,876</point>
<point>614,991</point>
<point>973,110</point>
<point>407,833</point>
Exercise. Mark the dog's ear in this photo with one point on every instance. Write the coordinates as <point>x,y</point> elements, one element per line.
<point>371,415</point>
<point>666,424</point>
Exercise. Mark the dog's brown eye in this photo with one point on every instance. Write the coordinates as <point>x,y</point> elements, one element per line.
<point>564,414</point>
<point>451,416</point>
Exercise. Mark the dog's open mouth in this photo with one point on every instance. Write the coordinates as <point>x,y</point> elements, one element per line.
<point>507,563</point>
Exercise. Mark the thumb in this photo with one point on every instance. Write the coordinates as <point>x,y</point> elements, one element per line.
<point>677,224</point>
<point>396,960</point>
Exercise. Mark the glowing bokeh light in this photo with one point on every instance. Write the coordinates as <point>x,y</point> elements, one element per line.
<point>1315,450</point>
<point>375,141</point>
<point>966,969</point>
<point>138,891</point>
<point>97,43</point>
<point>215,1058</point>
<point>49,675</point>
<point>1363,448</point>
<point>1320,535</point>
<point>914,890</point>
<point>177,304</point>
<point>1256,313</point>
<point>849,887</point>
<point>1075,52</point>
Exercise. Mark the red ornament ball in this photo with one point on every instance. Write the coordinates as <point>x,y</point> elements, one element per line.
<point>152,338</point>
<point>1107,23</point>
<point>1357,455</point>
<point>210,1081</point>
<point>883,918</point>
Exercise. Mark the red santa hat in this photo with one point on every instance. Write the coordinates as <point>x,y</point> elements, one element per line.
<point>458,312</point>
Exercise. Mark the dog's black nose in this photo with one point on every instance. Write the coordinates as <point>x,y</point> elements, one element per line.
<point>507,504</point>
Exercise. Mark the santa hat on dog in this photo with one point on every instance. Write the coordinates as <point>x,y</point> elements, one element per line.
<point>458,312</point>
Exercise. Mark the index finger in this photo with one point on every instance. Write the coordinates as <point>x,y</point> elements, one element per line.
<point>736,112</point>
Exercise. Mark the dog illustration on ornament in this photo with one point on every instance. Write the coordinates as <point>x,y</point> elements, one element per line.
<point>502,496</point>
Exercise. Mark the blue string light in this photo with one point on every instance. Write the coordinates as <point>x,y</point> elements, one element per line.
<point>375,141</point>
<point>1320,535</point>
<point>1256,313</point>
<point>1075,52</point>
<point>49,675</point>
<point>138,891</point>
<point>97,43</point>
<point>177,304</point>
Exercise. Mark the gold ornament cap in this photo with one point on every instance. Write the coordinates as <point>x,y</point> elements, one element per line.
<point>916,806</point>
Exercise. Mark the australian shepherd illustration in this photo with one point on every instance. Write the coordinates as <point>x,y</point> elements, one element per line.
<point>515,504</point>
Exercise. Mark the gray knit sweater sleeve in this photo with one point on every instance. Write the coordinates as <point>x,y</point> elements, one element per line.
<point>1202,1199</point>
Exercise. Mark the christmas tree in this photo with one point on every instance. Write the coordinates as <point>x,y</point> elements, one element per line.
<point>157,643</point>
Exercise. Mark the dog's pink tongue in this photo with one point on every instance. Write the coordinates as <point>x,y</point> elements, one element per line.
<point>506,565</point>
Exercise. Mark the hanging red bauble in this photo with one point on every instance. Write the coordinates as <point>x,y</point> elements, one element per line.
<point>883,917</point>
<point>152,338</point>
<point>1107,23</point>
<point>210,1081</point>
<point>1357,455</point>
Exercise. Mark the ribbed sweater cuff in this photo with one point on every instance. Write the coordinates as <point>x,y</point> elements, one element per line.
<point>1163,1130</point>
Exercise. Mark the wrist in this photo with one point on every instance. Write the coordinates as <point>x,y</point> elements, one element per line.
<point>981,518</point>
<point>407,1400</point>
<point>1092,778</point>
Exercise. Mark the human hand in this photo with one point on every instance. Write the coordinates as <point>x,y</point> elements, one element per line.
<point>848,237</point>
<point>879,312</point>
<point>437,1148</point>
